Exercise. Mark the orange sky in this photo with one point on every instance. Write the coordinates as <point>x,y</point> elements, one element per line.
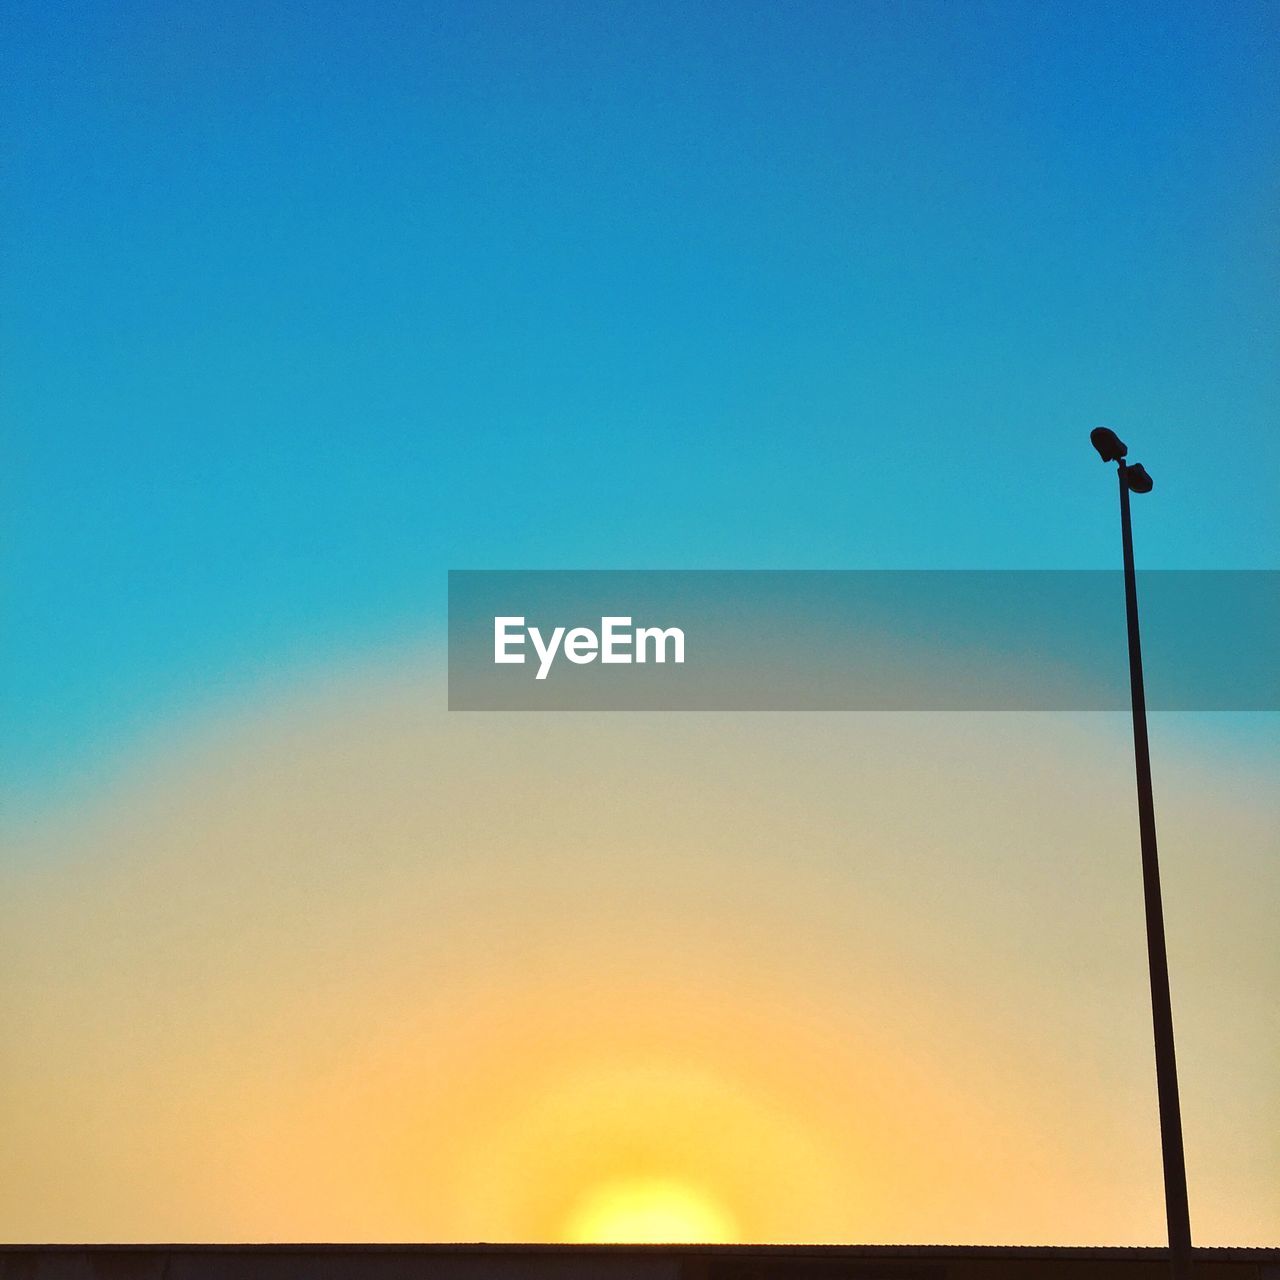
<point>342,966</point>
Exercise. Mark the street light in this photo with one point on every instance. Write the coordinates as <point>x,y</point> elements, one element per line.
<point>1133,477</point>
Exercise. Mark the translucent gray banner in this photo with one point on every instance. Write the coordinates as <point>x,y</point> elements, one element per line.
<point>858,640</point>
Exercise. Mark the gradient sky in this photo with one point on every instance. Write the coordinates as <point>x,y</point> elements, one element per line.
<point>304,305</point>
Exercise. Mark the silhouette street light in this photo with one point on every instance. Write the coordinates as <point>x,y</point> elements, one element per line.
<point>1133,477</point>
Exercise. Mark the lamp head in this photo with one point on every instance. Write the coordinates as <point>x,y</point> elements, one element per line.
<point>1109,445</point>
<point>1135,476</point>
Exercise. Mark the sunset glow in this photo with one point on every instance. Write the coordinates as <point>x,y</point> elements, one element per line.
<point>649,1211</point>
<point>748,1004</point>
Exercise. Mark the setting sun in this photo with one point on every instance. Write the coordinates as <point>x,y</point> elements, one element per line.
<point>648,1211</point>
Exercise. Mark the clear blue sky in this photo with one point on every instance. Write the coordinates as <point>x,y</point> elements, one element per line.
<point>305,304</point>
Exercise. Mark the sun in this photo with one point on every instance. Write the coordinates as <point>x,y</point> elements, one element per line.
<point>648,1211</point>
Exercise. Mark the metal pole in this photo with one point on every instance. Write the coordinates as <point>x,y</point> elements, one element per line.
<point>1175,1168</point>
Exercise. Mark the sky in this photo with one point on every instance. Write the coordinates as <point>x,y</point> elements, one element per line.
<point>304,306</point>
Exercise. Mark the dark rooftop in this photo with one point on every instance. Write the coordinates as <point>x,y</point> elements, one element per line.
<point>615,1262</point>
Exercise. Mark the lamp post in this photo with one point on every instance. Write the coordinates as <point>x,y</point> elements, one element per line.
<point>1133,478</point>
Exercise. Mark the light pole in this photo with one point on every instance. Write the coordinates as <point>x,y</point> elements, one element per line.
<point>1133,478</point>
